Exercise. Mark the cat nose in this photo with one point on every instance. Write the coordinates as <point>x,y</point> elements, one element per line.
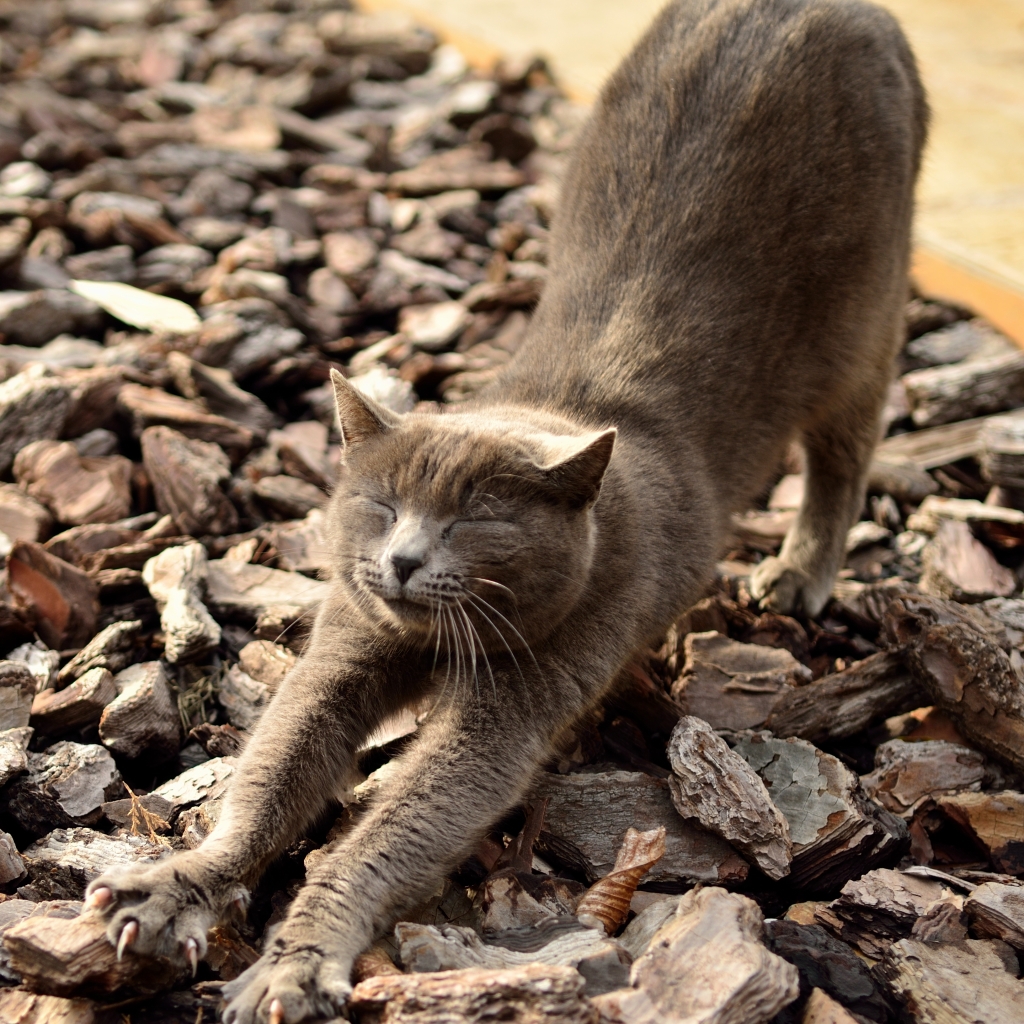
<point>405,567</point>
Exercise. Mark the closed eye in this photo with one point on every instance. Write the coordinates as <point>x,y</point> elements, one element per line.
<point>492,526</point>
<point>391,514</point>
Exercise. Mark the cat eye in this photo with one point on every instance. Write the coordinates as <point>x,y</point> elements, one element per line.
<point>391,513</point>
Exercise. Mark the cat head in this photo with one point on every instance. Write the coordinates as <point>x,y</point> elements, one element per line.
<point>463,522</point>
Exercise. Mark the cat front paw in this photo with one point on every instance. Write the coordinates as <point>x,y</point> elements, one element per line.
<point>162,909</point>
<point>780,588</point>
<point>289,985</point>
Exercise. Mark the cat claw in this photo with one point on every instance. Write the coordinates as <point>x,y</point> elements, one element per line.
<point>129,934</point>
<point>276,1012</point>
<point>99,898</point>
<point>192,954</point>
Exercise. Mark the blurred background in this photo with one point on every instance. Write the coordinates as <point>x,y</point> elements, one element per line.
<point>970,224</point>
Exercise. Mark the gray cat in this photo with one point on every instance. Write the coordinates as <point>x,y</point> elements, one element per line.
<point>729,268</point>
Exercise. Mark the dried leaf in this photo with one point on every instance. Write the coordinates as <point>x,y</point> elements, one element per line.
<point>139,308</point>
<point>607,901</point>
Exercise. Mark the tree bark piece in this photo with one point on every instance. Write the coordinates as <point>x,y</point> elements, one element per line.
<point>959,567</point>
<point>606,902</point>
<point>995,821</point>
<point>1002,451</point>
<point>222,396</point>
<point>732,685</point>
<point>714,785</point>
<point>881,906</point>
<point>523,995</point>
<point>22,517</point>
<point>935,446</point>
<point>823,1009</point>
<point>960,391</point>
<point>706,963</point>
<point>827,965</point>
<point>21,1007</point>
<point>965,672</point>
<point>836,832</point>
<point>151,407</point>
<point>13,752</point>
<point>33,406</point>
<point>12,867</point>
<point>594,811</point>
<point>63,863</point>
<point>60,601</point>
<point>77,490</point>
<point>288,497</point>
<point>266,662</point>
<point>143,719</point>
<point>187,476</point>
<point>602,961</point>
<point>111,648</point>
<point>74,957</point>
<point>996,911</point>
<point>204,782</point>
<point>239,591</point>
<point>846,702</point>
<point>17,691</point>
<point>176,579</point>
<point>907,774</point>
<point>242,698</point>
<point>65,786</point>
<point>80,704</point>
<point>954,983</point>
<point>906,480</point>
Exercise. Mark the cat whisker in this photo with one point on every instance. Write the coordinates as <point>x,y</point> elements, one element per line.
<point>501,636</point>
<point>493,583</point>
<point>483,650</point>
<point>520,637</point>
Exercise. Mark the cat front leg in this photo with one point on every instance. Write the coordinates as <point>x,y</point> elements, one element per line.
<point>473,761</point>
<point>300,752</point>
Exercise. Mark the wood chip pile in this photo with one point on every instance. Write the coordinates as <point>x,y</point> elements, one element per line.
<point>204,208</point>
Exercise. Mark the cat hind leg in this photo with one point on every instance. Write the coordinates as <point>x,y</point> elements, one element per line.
<point>839,450</point>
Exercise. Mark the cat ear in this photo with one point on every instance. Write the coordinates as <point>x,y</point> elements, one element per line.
<point>579,465</point>
<point>359,416</point>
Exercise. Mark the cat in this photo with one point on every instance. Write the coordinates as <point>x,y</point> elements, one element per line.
<point>728,272</point>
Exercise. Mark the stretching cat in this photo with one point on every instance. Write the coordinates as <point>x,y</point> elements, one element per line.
<point>728,273</point>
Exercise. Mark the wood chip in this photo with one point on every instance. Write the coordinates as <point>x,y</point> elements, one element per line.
<point>997,912</point>
<point>594,811</point>
<point>828,965</point>
<point>59,711</point>
<point>732,685</point>
<point>77,490</point>
<point>706,963</point>
<point>959,567</point>
<point>59,600</point>
<point>964,670</point>
<point>524,995</point>
<point>960,391</point>
<point>714,785</point>
<point>954,983</point>
<point>66,957</point>
<point>906,774</point>
<point>17,690</point>
<point>836,832</point>
<point>844,703</point>
<point>187,478</point>
<point>143,719</point>
<point>64,862</point>
<point>995,821</point>
<point>64,786</point>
